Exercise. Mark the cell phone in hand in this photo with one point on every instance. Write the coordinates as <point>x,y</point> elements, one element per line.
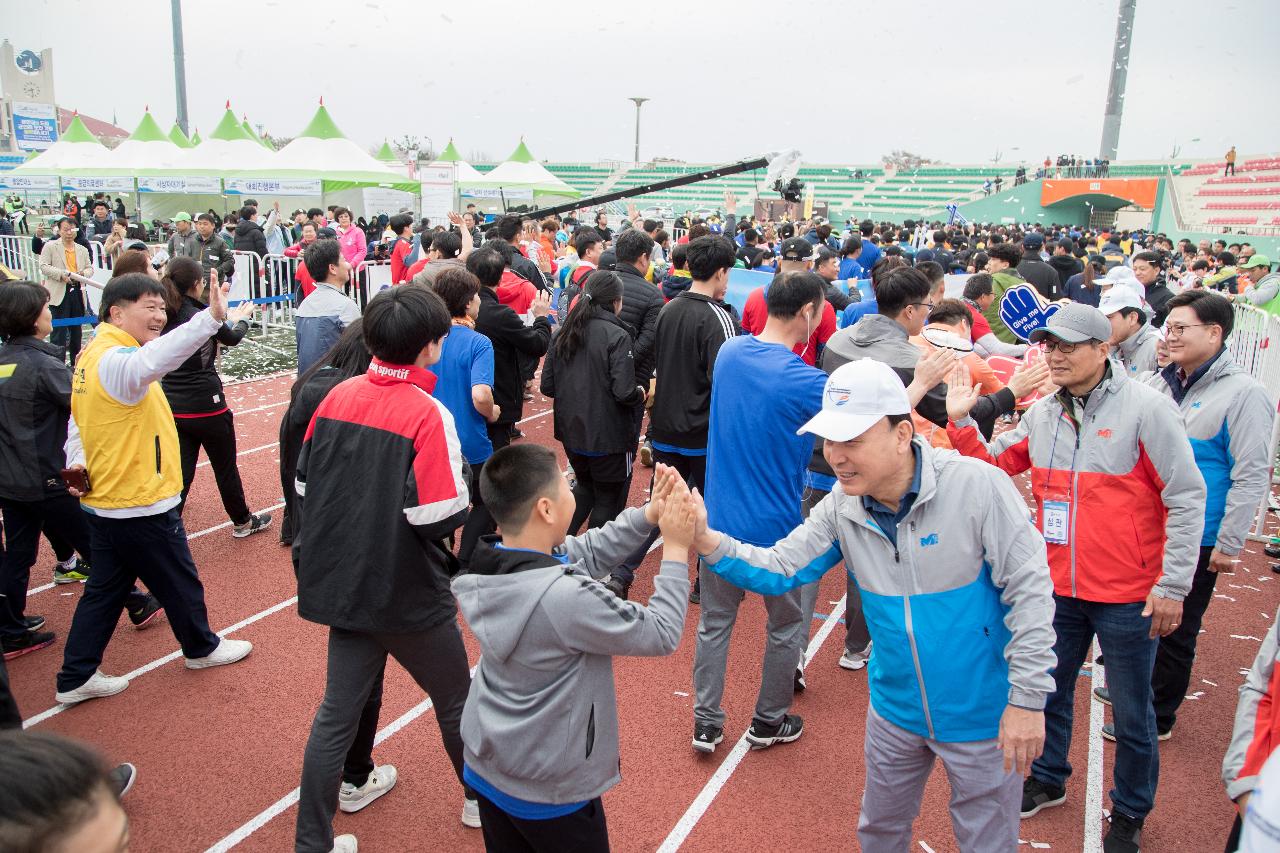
<point>76,478</point>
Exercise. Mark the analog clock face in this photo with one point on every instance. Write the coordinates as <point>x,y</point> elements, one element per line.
<point>32,90</point>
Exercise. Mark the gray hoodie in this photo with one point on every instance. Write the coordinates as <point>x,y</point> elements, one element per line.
<point>1137,353</point>
<point>541,719</point>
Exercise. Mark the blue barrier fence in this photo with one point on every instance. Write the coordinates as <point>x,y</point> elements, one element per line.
<point>93,321</point>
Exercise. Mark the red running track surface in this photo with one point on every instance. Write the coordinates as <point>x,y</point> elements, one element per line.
<point>216,750</point>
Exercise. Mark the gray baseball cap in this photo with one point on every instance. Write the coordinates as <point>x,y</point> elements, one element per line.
<point>1075,324</point>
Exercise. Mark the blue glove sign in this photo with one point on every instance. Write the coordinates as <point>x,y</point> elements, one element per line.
<point>1023,311</point>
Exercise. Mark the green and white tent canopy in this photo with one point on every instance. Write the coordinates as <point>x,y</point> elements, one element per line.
<point>178,138</point>
<point>522,172</point>
<point>228,149</point>
<point>322,152</point>
<point>148,149</point>
<point>464,173</point>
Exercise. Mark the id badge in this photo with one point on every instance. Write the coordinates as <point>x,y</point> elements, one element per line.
<point>1057,522</point>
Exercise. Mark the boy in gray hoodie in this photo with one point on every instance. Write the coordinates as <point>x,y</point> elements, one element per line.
<point>540,727</point>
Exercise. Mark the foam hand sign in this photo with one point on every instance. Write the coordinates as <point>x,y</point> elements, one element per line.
<point>1023,310</point>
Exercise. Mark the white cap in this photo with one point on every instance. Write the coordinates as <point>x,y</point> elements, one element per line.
<point>1119,275</point>
<point>857,395</point>
<point>1119,297</point>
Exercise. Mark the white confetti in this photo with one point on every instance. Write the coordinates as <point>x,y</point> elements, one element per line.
<point>680,693</point>
<point>1220,595</point>
<point>1246,637</point>
<point>1208,682</point>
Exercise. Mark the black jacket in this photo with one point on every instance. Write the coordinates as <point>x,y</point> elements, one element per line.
<point>194,387</point>
<point>641,302</point>
<point>1065,266</point>
<point>35,402</point>
<point>304,399</point>
<point>1041,276</point>
<point>381,484</point>
<point>510,337</point>
<point>598,390</point>
<point>691,330</point>
<point>527,269</point>
<point>1158,296</point>
<point>838,298</point>
<point>213,254</point>
<point>249,238</point>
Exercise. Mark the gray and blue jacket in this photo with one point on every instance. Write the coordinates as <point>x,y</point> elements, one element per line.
<point>1228,418</point>
<point>958,602</point>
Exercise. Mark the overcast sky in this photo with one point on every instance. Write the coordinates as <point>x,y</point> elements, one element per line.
<point>843,82</point>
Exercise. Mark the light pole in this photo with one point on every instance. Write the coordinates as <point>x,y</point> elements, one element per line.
<point>179,65</point>
<point>638,102</point>
<point>1119,76</point>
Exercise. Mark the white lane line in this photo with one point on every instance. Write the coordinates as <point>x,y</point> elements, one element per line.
<point>707,795</point>
<point>290,799</point>
<point>248,380</point>
<point>534,417</point>
<point>246,452</point>
<point>1093,781</point>
<point>172,656</point>
<point>262,408</point>
<point>190,536</point>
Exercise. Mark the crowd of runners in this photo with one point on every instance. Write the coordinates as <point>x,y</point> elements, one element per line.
<point>865,406</point>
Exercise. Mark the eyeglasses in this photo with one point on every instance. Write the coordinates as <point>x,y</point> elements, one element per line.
<point>1175,330</point>
<point>1051,344</point>
<point>928,305</point>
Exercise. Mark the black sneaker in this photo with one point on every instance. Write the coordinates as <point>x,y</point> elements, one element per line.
<point>1037,795</point>
<point>695,595</point>
<point>800,684</point>
<point>32,641</point>
<point>143,616</point>
<point>1272,551</point>
<point>761,736</point>
<point>1102,695</point>
<point>255,524</point>
<point>122,779</point>
<point>617,587</point>
<point>706,736</point>
<point>77,573</point>
<point>1109,732</point>
<point>1124,836</point>
<point>33,623</point>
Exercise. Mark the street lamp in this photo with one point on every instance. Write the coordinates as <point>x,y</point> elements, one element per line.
<point>638,102</point>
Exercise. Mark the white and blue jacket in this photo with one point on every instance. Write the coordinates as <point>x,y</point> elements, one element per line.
<point>960,609</point>
<point>1228,419</point>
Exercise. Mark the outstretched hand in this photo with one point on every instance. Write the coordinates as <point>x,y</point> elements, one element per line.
<point>219,295</point>
<point>961,396</point>
<point>678,523</point>
<point>664,483</point>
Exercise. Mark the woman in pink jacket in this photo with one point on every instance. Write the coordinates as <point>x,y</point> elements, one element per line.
<point>350,238</point>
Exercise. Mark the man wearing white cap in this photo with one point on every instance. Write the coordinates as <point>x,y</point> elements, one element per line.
<point>956,593</point>
<point>1121,506</point>
<point>1132,338</point>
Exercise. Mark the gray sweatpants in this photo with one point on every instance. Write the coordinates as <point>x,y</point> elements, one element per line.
<point>435,658</point>
<point>784,639</point>
<point>856,635</point>
<point>985,800</point>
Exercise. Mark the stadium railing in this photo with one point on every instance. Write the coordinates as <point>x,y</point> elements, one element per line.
<point>1255,347</point>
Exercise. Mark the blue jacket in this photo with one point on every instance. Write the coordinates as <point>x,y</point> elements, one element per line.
<point>960,609</point>
<point>1077,292</point>
<point>857,310</point>
<point>320,320</point>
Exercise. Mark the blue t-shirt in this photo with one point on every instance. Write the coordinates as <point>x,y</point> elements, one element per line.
<point>761,393</point>
<point>466,360</point>
<point>870,254</point>
<point>514,806</point>
<point>855,311</point>
<point>851,270</point>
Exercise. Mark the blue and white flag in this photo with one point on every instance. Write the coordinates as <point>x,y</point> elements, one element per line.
<point>954,216</point>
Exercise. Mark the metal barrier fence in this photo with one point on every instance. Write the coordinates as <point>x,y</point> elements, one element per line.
<point>370,278</point>
<point>1255,347</point>
<point>16,254</point>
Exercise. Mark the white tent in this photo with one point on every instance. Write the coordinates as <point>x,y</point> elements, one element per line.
<point>228,149</point>
<point>321,147</point>
<point>147,148</point>
<point>464,174</point>
<point>523,172</point>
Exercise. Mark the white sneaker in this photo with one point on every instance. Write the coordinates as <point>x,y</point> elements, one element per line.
<point>345,844</point>
<point>353,799</point>
<point>228,651</point>
<point>855,660</point>
<point>471,814</point>
<point>98,686</point>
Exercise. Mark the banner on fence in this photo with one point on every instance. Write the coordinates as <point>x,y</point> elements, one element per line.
<point>115,184</point>
<point>10,181</point>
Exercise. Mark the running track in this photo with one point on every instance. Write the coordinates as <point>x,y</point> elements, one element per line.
<point>219,752</point>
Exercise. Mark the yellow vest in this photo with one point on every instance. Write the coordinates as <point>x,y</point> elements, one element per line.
<point>131,452</point>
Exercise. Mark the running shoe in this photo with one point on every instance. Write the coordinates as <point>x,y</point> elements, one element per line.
<point>31,641</point>
<point>1037,795</point>
<point>762,736</point>
<point>855,660</point>
<point>1109,732</point>
<point>706,736</point>
<point>1102,695</point>
<point>1125,834</point>
<point>122,778</point>
<point>69,572</point>
<point>345,844</point>
<point>98,686</point>
<point>471,813</point>
<point>144,615</point>
<point>255,524</point>
<point>617,586</point>
<point>646,455</point>
<point>352,799</point>
<point>33,623</point>
<point>228,651</point>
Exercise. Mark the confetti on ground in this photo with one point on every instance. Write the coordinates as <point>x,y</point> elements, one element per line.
<point>1221,595</point>
<point>1208,682</point>
<point>1246,637</point>
<point>681,693</point>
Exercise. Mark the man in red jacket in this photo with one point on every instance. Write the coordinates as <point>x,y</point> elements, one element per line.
<point>796,255</point>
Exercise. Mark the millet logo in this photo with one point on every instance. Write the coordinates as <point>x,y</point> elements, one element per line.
<point>1104,433</point>
<point>926,541</point>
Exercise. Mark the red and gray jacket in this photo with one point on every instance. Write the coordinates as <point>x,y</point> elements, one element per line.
<point>1125,468</point>
<point>1257,729</point>
<point>381,483</point>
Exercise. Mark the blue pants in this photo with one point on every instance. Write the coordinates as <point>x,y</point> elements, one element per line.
<point>1130,655</point>
<point>150,548</point>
